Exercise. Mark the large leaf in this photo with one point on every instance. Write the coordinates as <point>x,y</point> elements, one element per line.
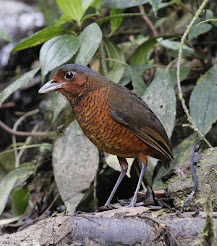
<point>116,22</point>
<point>86,4</point>
<point>9,181</point>
<point>57,51</point>
<point>116,65</point>
<point>198,29</point>
<point>71,9</point>
<point>174,45</point>
<point>5,36</point>
<point>40,37</point>
<point>122,4</point>
<point>155,4</point>
<point>138,83</point>
<point>75,162</point>
<point>140,54</point>
<point>59,102</point>
<point>160,96</point>
<point>96,4</point>
<point>17,84</point>
<point>184,71</point>
<point>19,200</point>
<point>90,39</point>
<point>137,69</point>
<point>203,101</point>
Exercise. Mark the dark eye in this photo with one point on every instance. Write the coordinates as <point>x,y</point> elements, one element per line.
<point>69,75</point>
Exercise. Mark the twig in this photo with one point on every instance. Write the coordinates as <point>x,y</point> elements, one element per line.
<point>21,147</point>
<point>103,58</point>
<point>24,134</point>
<point>17,156</point>
<point>27,142</point>
<point>148,21</point>
<point>194,160</point>
<point>189,118</point>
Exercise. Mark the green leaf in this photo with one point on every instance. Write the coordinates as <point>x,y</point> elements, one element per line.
<point>174,45</point>
<point>115,22</point>
<point>17,84</point>
<point>138,83</point>
<point>19,201</point>
<point>63,19</point>
<point>202,28</point>
<point>86,4</point>
<point>96,4</point>
<point>5,36</point>
<point>203,101</point>
<point>155,4</point>
<point>7,159</point>
<point>160,96</point>
<point>7,185</point>
<point>184,71</point>
<point>58,104</point>
<point>9,181</point>
<point>90,39</point>
<point>45,146</point>
<point>71,9</point>
<point>40,37</point>
<point>75,164</point>
<point>57,51</point>
<point>137,69</point>
<point>140,56</point>
<point>116,66</point>
<point>122,4</point>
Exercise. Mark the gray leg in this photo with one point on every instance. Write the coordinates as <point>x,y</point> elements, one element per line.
<point>124,166</point>
<point>133,202</point>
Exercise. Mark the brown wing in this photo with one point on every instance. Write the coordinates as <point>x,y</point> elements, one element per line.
<point>130,111</point>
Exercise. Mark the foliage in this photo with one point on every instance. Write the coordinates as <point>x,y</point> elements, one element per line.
<point>84,34</point>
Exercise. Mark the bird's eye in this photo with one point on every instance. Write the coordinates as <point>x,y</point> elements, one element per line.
<point>69,75</point>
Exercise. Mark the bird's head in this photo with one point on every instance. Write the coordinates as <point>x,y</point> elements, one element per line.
<point>72,80</point>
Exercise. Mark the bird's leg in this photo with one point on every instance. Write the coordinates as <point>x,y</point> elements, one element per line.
<point>144,166</point>
<point>124,166</point>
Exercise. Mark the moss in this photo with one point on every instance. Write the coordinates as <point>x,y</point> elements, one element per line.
<point>180,187</point>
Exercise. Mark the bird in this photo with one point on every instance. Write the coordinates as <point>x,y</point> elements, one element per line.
<point>114,118</point>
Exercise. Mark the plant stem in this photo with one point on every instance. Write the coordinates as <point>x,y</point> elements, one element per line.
<point>189,118</point>
<point>148,21</point>
<point>25,134</point>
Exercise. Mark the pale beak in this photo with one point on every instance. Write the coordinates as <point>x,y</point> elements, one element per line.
<point>50,86</point>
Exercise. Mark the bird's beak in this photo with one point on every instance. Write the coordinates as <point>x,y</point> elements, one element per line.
<point>50,86</point>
